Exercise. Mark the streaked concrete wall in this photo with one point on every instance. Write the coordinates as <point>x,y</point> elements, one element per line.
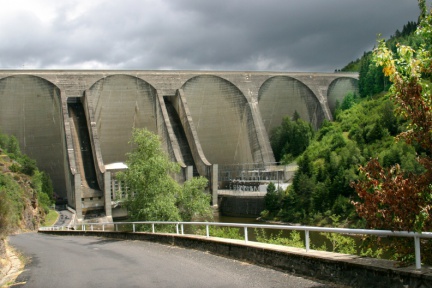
<point>30,109</point>
<point>121,102</point>
<point>282,96</point>
<point>222,119</point>
<point>232,112</point>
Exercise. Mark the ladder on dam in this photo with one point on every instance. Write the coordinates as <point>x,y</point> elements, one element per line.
<point>83,153</point>
<point>181,136</point>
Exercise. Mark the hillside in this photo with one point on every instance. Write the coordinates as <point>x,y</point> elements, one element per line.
<point>365,127</point>
<point>17,192</point>
<point>25,193</point>
<point>321,187</point>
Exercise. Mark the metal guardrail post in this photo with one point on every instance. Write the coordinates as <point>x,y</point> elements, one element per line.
<point>91,227</point>
<point>133,227</point>
<point>246,234</point>
<point>417,252</point>
<point>103,227</point>
<point>153,228</point>
<point>182,229</point>
<point>307,244</point>
<point>177,229</point>
<point>207,231</point>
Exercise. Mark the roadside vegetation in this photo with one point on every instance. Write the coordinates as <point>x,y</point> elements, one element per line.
<point>26,193</point>
<point>50,218</point>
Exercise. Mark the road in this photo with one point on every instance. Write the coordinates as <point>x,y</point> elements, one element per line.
<point>64,219</point>
<point>77,261</point>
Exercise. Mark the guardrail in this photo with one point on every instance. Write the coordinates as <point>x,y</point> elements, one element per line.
<point>180,231</point>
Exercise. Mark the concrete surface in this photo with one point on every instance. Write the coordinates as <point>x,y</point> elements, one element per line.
<point>228,120</point>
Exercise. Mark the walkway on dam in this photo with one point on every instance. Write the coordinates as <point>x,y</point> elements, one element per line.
<point>73,261</point>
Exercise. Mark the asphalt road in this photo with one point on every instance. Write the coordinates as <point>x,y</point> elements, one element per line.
<point>75,261</point>
<point>64,219</point>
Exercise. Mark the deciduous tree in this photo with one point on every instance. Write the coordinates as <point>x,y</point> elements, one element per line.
<point>153,194</point>
<point>391,198</point>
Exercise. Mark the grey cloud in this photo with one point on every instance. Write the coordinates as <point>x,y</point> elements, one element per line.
<point>312,35</point>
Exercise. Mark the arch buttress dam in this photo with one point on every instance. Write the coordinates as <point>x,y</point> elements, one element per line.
<point>75,123</point>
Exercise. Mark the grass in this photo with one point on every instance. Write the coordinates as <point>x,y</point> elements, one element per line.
<point>50,218</point>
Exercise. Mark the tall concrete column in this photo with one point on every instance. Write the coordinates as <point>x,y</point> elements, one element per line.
<point>78,196</point>
<point>107,187</point>
<point>189,172</point>
<point>214,183</point>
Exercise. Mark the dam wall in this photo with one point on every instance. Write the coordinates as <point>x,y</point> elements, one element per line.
<point>226,116</point>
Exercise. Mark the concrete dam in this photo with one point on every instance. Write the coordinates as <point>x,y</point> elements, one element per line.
<point>77,123</point>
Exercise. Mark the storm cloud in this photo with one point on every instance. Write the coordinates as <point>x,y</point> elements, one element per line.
<point>276,35</point>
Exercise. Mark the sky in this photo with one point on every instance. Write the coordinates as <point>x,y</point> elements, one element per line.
<point>230,35</point>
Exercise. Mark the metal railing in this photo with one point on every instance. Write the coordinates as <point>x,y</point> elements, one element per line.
<point>179,227</point>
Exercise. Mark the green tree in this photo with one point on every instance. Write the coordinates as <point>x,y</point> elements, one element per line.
<point>291,138</point>
<point>13,146</point>
<point>272,201</point>
<point>151,190</point>
<point>192,202</point>
<point>153,194</point>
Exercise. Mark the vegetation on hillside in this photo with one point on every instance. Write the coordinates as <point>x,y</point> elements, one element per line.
<point>26,193</point>
<point>291,138</point>
<point>371,76</point>
<point>365,126</point>
<point>387,135</point>
<point>321,186</point>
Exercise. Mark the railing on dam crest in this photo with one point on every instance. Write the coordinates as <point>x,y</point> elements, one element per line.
<point>180,230</point>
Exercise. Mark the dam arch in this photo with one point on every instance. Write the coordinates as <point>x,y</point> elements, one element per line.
<point>223,120</point>
<point>31,110</point>
<point>339,89</point>
<point>121,102</point>
<point>282,96</point>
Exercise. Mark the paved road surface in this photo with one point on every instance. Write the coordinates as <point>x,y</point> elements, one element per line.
<point>64,219</point>
<point>75,261</point>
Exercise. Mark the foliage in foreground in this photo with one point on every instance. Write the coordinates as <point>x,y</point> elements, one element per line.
<point>392,197</point>
<point>153,194</point>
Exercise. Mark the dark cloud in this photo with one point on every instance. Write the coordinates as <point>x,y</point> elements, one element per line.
<point>311,35</point>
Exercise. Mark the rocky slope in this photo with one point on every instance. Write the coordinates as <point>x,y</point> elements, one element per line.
<point>20,210</point>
